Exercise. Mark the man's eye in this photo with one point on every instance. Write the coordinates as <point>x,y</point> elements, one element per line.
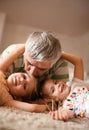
<point>29,63</point>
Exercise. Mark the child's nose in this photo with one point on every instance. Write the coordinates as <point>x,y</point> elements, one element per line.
<point>57,85</point>
<point>22,80</point>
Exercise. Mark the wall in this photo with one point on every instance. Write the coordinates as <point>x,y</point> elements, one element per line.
<point>2,23</point>
<point>68,19</point>
<point>76,45</point>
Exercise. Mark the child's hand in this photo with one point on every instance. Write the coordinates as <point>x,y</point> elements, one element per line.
<point>62,114</point>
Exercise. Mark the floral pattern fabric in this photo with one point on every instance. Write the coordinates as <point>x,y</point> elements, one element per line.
<point>78,101</point>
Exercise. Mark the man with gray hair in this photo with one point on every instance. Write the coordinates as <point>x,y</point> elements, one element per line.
<point>40,56</point>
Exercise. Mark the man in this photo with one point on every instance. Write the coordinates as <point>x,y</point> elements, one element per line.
<point>40,56</point>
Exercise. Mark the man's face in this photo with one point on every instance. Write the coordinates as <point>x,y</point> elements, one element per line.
<point>36,68</point>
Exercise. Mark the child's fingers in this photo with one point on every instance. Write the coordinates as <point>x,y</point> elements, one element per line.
<point>57,115</point>
<point>52,114</point>
<point>66,114</point>
<point>61,114</point>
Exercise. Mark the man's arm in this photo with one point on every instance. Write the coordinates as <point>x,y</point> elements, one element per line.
<point>78,64</point>
<point>6,61</point>
<point>60,70</point>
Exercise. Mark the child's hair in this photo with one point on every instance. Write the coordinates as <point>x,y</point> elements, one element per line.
<point>39,90</point>
<point>43,46</point>
<point>31,97</point>
<point>46,96</point>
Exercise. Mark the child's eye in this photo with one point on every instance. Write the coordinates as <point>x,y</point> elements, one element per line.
<point>24,86</point>
<point>55,82</point>
<point>52,90</point>
<point>24,76</point>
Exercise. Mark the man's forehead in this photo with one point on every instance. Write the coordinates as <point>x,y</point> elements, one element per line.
<point>44,64</point>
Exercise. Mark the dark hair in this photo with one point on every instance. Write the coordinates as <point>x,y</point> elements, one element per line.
<point>39,90</point>
<point>31,97</point>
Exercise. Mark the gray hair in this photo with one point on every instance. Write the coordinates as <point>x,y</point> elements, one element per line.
<point>43,46</point>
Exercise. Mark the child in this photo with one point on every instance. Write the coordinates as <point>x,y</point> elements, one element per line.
<point>18,85</point>
<point>74,94</point>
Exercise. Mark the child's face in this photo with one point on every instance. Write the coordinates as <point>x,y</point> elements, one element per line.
<point>20,84</point>
<point>57,90</point>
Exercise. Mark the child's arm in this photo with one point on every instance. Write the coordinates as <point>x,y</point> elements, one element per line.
<point>11,57</point>
<point>26,106</point>
<point>78,64</point>
<point>62,114</point>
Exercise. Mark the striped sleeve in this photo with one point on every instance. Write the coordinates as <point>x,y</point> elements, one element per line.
<point>17,65</point>
<point>61,71</point>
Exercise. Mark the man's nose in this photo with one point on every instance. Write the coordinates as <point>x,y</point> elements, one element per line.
<point>33,70</point>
